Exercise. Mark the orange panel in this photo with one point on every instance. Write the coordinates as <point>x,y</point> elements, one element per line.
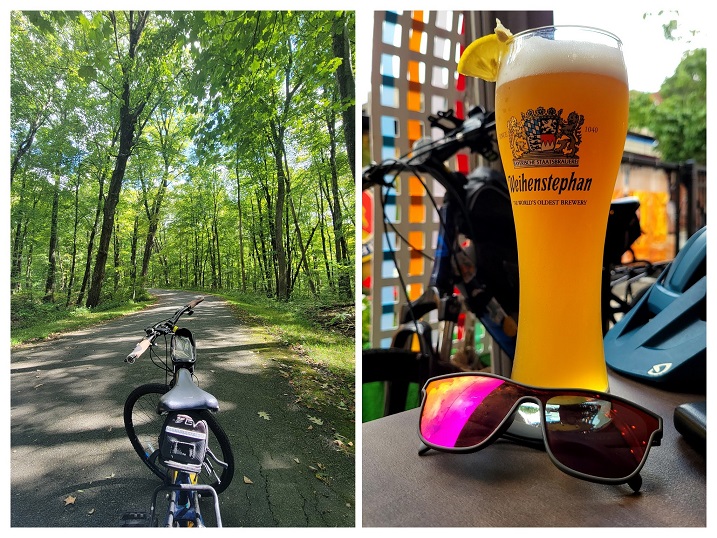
<point>416,211</point>
<point>413,101</point>
<point>415,130</point>
<point>413,71</point>
<point>417,239</point>
<point>415,188</point>
<point>415,265</point>
<point>414,291</point>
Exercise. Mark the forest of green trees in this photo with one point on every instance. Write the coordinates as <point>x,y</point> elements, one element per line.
<point>206,150</point>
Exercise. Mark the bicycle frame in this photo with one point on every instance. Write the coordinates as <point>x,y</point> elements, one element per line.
<point>183,397</point>
<point>452,266</point>
<point>182,487</point>
<point>183,500</point>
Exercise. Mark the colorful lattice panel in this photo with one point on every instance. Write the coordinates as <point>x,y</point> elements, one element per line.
<point>413,76</point>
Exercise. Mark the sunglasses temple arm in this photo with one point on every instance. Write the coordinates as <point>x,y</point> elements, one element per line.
<point>423,448</point>
<point>635,483</point>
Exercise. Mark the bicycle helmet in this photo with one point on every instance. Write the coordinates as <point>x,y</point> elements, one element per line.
<point>663,338</point>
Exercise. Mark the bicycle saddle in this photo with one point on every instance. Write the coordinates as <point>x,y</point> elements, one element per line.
<point>186,396</point>
<point>663,338</point>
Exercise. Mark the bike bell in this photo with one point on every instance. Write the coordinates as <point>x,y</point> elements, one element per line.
<point>663,338</point>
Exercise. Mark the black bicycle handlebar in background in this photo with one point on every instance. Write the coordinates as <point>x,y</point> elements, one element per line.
<point>476,132</point>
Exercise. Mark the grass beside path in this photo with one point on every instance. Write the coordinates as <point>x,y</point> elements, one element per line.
<point>321,364</point>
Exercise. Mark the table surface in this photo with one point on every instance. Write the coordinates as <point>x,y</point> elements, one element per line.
<point>507,485</point>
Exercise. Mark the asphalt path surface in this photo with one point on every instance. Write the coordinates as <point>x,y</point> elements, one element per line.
<point>73,466</point>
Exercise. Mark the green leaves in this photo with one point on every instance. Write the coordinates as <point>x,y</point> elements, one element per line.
<point>87,72</point>
<point>229,107</point>
<point>677,118</point>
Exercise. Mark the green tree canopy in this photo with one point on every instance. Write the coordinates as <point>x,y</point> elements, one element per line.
<point>677,115</point>
<point>196,149</point>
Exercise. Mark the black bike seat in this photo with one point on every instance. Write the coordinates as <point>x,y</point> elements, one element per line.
<point>186,396</point>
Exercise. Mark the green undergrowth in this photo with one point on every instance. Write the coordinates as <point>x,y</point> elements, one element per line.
<point>32,319</point>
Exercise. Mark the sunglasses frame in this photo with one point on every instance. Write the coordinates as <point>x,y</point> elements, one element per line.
<point>634,480</point>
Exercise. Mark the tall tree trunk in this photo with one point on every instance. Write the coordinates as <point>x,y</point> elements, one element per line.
<point>128,123</point>
<point>322,223</point>
<point>116,260</point>
<point>52,254</point>
<point>91,240</point>
<point>263,255</point>
<point>241,225</point>
<point>75,225</point>
<point>153,218</point>
<point>26,143</point>
<point>302,262</point>
<point>164,129</point>
<point>282,292</point>
<point>133,257</point>
<point>215,238</point>
<point>342,251</point>
<point>28,266</point>
<point>19,240</point>
<point>347,87</point>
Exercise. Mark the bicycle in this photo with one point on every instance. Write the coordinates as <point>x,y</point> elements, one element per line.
<point>476,254</point>
<point>624,282</point>
<point>172,428</point>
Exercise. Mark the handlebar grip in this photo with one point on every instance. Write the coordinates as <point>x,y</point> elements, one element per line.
<point>195,302</point>
<point>138,350</point>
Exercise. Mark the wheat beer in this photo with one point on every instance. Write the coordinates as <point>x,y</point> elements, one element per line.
<point>561,112</point>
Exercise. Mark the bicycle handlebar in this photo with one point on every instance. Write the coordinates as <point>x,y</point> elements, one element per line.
<point>476,132</point>
<point>194,302</point>
<point>138,350</point>
<point>163,327</point>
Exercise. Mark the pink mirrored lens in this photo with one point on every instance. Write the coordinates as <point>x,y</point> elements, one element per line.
<point>462,411</point>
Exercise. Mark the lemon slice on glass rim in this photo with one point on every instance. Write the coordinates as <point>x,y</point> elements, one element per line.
<point>482,57</point>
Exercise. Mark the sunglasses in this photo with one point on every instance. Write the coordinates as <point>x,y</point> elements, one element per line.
<point>587,434</point>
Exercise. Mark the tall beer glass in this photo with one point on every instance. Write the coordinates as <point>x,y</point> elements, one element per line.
<point>561,112</point>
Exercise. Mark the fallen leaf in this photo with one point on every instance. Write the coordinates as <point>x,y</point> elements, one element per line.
<point>297,460</point>
<point>312,468</point>
<point>315,420</point>
<point>70,500</point>
<point>39,385</point>
<point>320,466</point>
<point>247,480</point>
<point>310,427</point>
<point>264,415</point>
<point>92,511</point>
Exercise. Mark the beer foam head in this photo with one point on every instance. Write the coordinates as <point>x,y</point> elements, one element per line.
<point>534,55</point>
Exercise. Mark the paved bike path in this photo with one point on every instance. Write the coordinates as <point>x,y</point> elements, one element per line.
<point>73,466</point>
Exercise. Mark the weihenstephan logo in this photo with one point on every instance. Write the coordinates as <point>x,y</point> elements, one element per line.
<point>543,138</point>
